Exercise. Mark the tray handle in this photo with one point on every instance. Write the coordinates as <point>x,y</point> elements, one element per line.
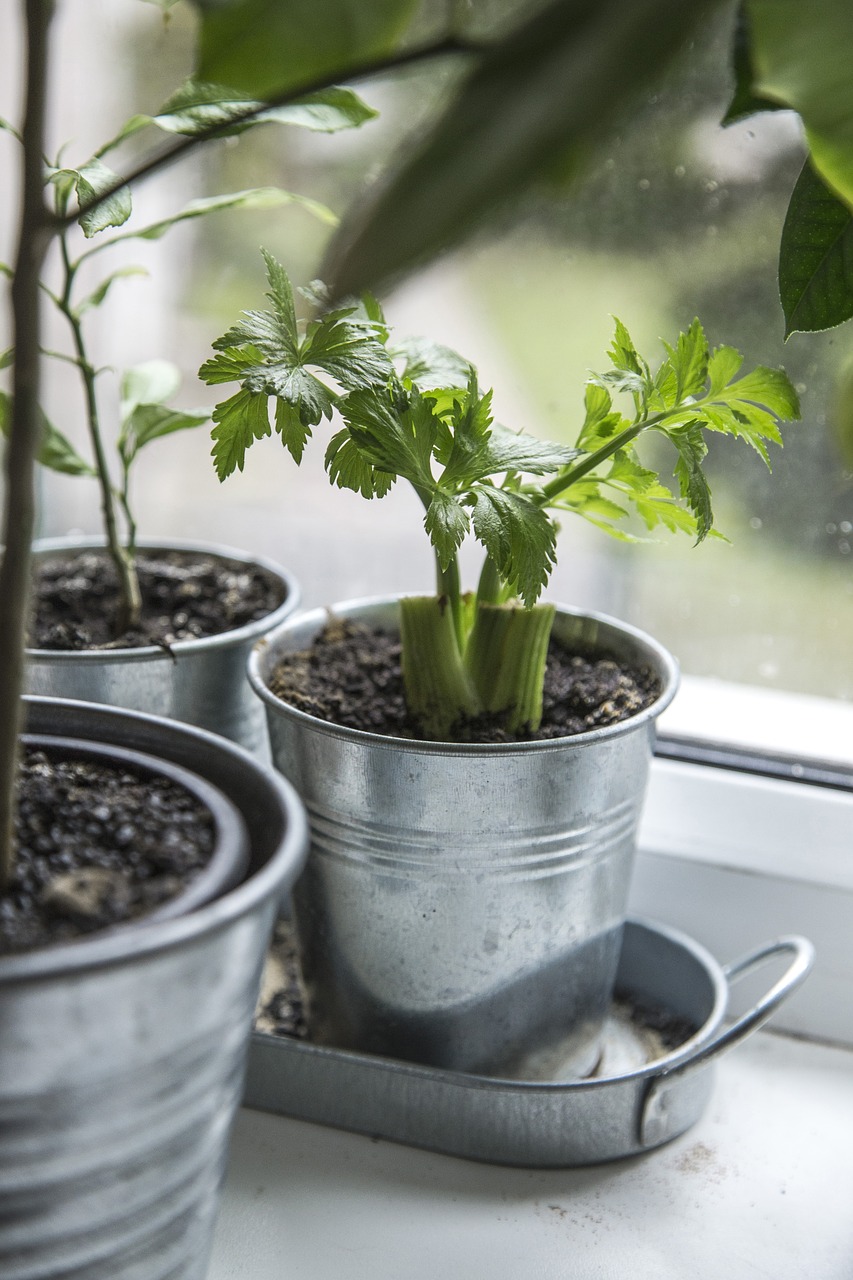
<point>664,1102</point>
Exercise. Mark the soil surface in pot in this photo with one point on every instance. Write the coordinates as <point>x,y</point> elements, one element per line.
<point>98,844</point>
<point>186,595</point>
<point>351,676</point>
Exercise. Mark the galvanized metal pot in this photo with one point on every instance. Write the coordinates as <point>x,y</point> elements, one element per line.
<point>122,1056</point>
<point>201,682</point>
<point>464,904</point>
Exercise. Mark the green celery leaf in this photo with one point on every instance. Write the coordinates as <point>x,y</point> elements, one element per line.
<point>695,490</point>
<point>289,424</point>
<point>623,354</point>
<point>446,523</point>
<point>763,387</point>
<point>264,352</point>
<point>348,469</point>
<point>600,423</point>
<point>397,440</point>
<point>549,88</point>
<point>516,451</point>
<point>264,47</point>
<point>723,365</point>
<point>229,365</point>
<point>239,422</point>
<point>55,451</point>
<point>432,366</point>
<point>815,258</point>
<point>519,536</point>
<point>349,350</point>
<point>689,360</point>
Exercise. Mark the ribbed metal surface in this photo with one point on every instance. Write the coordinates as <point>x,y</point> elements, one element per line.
<point>122,1057</point>
<point>200,682</point>
<point>462,903</point>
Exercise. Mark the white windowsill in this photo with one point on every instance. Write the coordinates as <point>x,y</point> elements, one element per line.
<point>760,1187</point>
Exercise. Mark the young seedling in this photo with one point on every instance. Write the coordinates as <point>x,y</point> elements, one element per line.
<point>192,111</point>
<point>416,412</point>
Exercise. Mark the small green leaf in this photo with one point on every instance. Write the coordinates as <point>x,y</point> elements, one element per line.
<point>815,258</point>
<point>55,452</point>
<point>150,422</point>
<point>97,296</point>
<point>239,422</point>
<point>7,358</point>
<point>256,198</point>
<point>91,181</point>
<point>196,108</point>
<point>149,383</point>
<point>6,270</point>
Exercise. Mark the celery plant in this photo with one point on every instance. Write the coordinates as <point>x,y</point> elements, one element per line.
<point>416,413</point>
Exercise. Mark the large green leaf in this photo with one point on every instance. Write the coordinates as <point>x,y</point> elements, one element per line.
<point>550,88</point>
<point>264,47</point>
<point>802,57</point>
<point>816,258</point>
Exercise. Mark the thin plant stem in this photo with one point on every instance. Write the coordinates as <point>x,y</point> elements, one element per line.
<point>35,228</point>
<point>122,557</point>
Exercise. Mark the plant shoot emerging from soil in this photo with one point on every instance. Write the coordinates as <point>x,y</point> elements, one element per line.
<point>416,412</point>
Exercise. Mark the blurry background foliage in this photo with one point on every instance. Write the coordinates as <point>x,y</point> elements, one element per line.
<point>672,217</point>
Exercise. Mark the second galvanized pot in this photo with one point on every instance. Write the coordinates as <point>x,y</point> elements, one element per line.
<point>463,904</point>
<point>200,682</point>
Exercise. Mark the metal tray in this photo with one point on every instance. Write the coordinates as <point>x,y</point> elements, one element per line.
<point>642,1095</point>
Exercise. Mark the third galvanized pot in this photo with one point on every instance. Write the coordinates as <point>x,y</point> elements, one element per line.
<point>463,904</point>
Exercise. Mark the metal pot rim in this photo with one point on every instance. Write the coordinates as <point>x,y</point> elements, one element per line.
<point>123,946</point>
<point>272,642</point>
<point>154,653</point>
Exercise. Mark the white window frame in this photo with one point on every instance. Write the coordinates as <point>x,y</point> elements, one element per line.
<point>747,834</point>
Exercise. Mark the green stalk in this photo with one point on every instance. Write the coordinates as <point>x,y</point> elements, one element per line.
<point>506,658</point>
<point>130,599</point>
<point>36,227</point>
<point>438,687</point>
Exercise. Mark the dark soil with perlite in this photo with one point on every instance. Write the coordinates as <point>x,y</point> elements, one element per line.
<point>351,676</point>
<point>97,844</point>
<point>185,596</point>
